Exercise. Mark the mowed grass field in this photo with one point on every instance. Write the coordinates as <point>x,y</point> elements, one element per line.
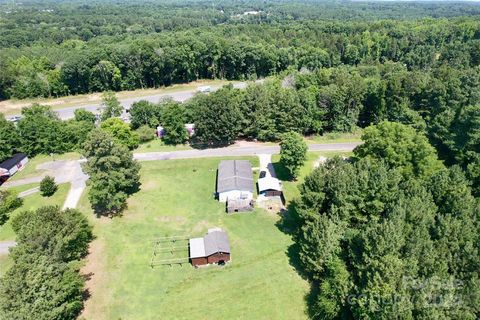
<point>176,198</point>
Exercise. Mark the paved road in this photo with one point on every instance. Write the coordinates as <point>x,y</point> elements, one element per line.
<point>236,151</point>
<point>68,113</point>
<point>5,245</point>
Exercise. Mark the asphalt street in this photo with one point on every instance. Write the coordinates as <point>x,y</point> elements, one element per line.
<point>68,113</point>
<point>237,151</point>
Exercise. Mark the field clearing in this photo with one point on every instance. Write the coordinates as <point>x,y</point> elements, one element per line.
<point>12,107</point>
<point>176,198</point>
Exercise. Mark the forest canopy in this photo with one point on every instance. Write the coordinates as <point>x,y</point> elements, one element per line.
<point>82,48</point>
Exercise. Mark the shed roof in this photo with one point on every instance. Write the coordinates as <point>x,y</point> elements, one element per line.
<point>235,175</point>
<point>13,161</point>
<point>197,248</point>
<point>269,183</point>
<point>216,241</point>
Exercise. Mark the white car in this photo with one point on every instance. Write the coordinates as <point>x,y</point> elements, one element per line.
<point>205,89</point>
<point>15,118</point>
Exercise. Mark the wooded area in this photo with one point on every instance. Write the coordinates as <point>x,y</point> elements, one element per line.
<point>391,233</point>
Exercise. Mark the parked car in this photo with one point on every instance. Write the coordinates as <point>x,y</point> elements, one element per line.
<point>263,174</point>
<point>205,89</point>
<point>15,118</point>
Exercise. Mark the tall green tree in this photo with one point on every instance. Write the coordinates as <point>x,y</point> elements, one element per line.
<point>42,132</point>
<point>121,132</point>
<point>114,174</point>
<point>9,201</point>
<point>9,139</point>
<point>293,152</point>
<point>217,116</point>
<point>84,115</point>
<point>380,244</point>
<point>111,106</point>
<point>145,113</point>
<point>400,146</point>
<point>44,280</point>
<point>173,121</point>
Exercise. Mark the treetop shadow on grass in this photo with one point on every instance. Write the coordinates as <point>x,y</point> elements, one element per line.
<point>282,173</point>
<point>196,144</point>
<point>290,224</point>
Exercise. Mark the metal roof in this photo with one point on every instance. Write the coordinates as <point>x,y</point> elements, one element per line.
<point>269,183</point>
<point>197,248</point>
<point>13,161</point>
<point>216,241</point>
<point>235,175</point>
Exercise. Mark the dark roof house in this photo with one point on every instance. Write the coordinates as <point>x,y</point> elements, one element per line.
<point>13,161</point>
<point>235,175</point>
<point>10,166</point>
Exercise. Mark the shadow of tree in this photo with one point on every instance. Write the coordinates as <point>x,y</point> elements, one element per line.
<point>196,144</point>
<point>281,171</point>
<point>290,224</point>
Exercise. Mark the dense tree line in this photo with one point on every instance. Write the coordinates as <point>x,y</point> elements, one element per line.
<point>233,51</point>
<point>44,280</point>
<point>382,240</point>
<point>53,22</point>
<point>442,102</point>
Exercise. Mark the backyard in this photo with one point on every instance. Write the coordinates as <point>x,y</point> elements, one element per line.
<point>176,198</point>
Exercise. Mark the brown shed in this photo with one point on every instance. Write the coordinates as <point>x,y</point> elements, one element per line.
<point>214,247</point>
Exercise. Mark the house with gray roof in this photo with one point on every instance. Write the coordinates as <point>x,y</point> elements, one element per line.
<point>235,181</point>
<point>214,247</point>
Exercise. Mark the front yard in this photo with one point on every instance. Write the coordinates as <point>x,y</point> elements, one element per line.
<point>177,199</point>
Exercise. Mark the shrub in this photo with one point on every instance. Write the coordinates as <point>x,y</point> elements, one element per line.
<point>145,133</point>
<point>48,186</point>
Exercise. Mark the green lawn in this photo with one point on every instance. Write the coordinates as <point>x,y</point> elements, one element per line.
<point>157,145</point>
<point>177,199</point>
<point>33,202</point>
